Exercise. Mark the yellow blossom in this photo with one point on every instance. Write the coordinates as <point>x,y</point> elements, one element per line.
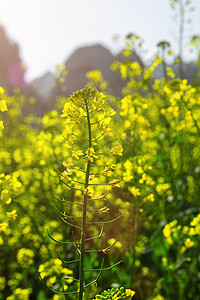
<point>89,192</point>
<point>130,292</point>
<point>5,197</point>
<point>188,243</point>
<point>1,90</point>
<point>65,176</point>
<point>134,191</point>
<point>98,101</point>
<point>2,283</point>
<point>76,154</point>
<point>1,125</point>
<point>12,214</point>
<point>110,164</point>
<point>151,197</point>
<point>183,249</point>
<point>196,220</point>
<point>164,260</point>
<point>90,154</point>
<point>106,130</point>
<point>167,233</point>
<point>68,166</point>
<point>104,209</point>
<point>106,172</point>
<point>3,226</point>
<point>3,106</point>
<point>185,229</point>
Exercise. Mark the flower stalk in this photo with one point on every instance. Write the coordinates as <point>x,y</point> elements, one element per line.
<point>83,233</point>
<point>85,108</point>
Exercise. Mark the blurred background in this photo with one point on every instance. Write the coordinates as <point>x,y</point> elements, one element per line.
<point>144,51</point>
<point>37,35</point>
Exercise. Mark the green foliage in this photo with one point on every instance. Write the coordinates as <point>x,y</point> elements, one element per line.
<point>158,237</point>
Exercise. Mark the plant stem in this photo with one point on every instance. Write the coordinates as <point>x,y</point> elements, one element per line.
<point>83,233</point>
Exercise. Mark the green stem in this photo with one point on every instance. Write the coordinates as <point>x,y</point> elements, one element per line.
<point>83,233</point>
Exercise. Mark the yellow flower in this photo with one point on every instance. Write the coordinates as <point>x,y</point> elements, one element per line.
<point>5,197</point>
<point>88,192</point>
<point>2,283</point>
<point>164,260</point>
<point>114,243</point>
<point>139,170</point>
<point>104,209</point>
<point>3,226</point>
<point>106,130</point>
<point>12,214</point>
<point>151,197</point>
<point>185,229</point>
<point>3,106</point>
<point>78,98</point>
<point>189,243</point>
<point>130,293</point>
<point>135,192</point>
<point>76,154</point>
<point>183,249</point>
<point>70,111</point>
<point>167,233</point>
<point>50,281</point>
<point>110,164</point>
<point>90,154</point>
<point>64,176</point>
<point>106,172</point>
<point>117,150</point>
<point>56,297</point>
<point>68,166</point>
<point>1,125</point>
<point>1,90</point>
<point>98,101</point>
<point>196,220</point>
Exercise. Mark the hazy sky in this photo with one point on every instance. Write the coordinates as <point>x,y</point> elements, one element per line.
<point>48,31</point>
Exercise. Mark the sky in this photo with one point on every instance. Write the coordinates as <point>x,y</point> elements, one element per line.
<point>48,31</point>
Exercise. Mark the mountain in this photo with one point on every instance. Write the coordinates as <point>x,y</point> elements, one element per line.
<point>11,66</point>
<point>83,60</point>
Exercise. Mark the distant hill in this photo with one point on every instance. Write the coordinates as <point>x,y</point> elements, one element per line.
<point>83,60</point>
<point>96,57</point>
<point>91,58</point>
<point>11,67</point>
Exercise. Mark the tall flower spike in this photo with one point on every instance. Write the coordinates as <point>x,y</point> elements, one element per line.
<point>87,118</point>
